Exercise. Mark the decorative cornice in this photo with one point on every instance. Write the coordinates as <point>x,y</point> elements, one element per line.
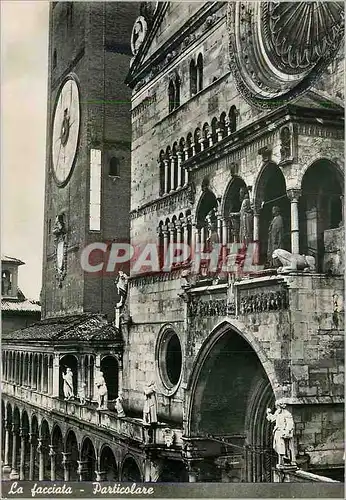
<point>258,134</point>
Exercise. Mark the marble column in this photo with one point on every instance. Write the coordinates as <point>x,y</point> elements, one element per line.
<point>66,465</point>
<point>179,229</point>
<point>166,176</point>
<point>210,140</point>
<point>171,228</point>
<point>14,472</point>
<point>52,455</point>
<point>172,162</point>
<point>7,466</point>
<point>294,195</point>
<point>32,441</point>
<point>179,159</point>
<point>23,437</point>
<point>219,133</point>
<point>40,459</point>
<point>82,470</point>
<point>165,242</point>
<point>56,375</point>
<point>256,240</point>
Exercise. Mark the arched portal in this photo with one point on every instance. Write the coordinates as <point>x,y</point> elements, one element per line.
<point>73,455</point>
<point>320,207</point>
<point>68,361</point>
<point>89,458</point>
<point>230,393</point>
<point>108,464</point>
<point>110,369</point>
<point>270,192</point>
<point>130,471</point>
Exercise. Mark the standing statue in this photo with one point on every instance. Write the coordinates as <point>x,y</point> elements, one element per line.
<point>245,218</point>
<point>68,384</point>
<point>275,236</point>
<point>82,393</point>
<point>122,285</point>
<point>213,236</point>
<point>293,262</point>
<point>119,405</point>
<point>102,392</point>
<point>150,405</point>
<point>283,433</point>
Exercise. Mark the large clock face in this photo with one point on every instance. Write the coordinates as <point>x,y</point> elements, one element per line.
<point>65,131</point>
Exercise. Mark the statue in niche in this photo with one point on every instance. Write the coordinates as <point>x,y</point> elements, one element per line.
<point>150,404</point>
<point>213,236</point>
<point>102,392</point>
<point>293,262</point>
<point>68,384</point>
<point>283,433</point>
<point>119,405</point>
<point>245,218</point>
<point>82,393</point>
<point>122,285</point>
<point>275,235</point>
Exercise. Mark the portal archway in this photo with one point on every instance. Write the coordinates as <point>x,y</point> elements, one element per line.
<point>230,392</point>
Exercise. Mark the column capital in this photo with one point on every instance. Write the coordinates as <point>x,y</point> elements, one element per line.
<point>23,433</point>
<point>294,194</point>
<point>100,475</point>
<point>14,428</point>
<point>52,451</point>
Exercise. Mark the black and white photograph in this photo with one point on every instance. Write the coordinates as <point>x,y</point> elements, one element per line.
<point>172,266</point>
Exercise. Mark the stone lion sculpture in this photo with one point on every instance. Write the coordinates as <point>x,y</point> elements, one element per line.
<point>293,262</point>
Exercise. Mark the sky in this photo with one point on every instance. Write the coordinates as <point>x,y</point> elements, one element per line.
<point>24,59</point>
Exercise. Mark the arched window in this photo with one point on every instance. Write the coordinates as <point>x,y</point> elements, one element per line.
<point>197,138</point>
<point>199,73</point>
<point>189,145</point>
<point>222,124</point>
<point>114,167</point>
<point>193,78</point>
<point>171,96</point>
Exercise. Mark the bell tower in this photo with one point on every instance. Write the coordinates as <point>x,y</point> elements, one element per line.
<point>87,190</point>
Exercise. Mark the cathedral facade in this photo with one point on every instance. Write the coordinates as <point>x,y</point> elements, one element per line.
<point>210,135</point>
